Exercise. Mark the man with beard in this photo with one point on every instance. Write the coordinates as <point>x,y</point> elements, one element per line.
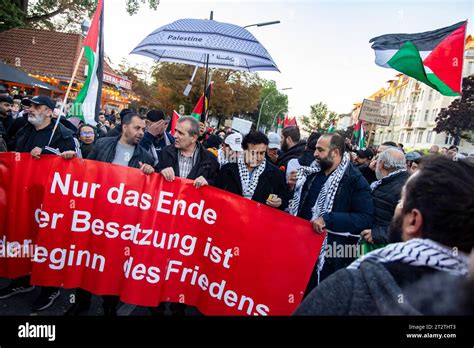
<point>254,177</point>
<point>34,138</point>
<point>432,233</point>
<point>391,172</point>
<point>335,197</point>
<point>5,113</point>
<point>291,146</point>
<point>122,150</point>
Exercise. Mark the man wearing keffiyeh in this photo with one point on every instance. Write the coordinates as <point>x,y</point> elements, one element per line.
<point>334,196</point>
<point>252,176</point>
<point>424,271</point>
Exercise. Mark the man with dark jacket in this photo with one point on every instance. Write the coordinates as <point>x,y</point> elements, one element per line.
<point>391,171</point>
<point>187,158</point>
<point>125,151</point>
<point>34,138</point>
<point>35,135</point>
<point>432,234</point>
<point>291,146</point>
<point>335,197</point>
<point>253,176</point>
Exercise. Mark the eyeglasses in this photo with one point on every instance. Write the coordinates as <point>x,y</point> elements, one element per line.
<point>84,134</point>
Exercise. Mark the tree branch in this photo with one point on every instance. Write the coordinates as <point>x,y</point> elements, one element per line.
<point>62,7</point>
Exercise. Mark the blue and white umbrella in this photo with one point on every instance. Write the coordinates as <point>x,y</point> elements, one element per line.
<point>206,42</point>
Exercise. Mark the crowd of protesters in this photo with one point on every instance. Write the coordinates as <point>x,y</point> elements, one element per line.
<point>409,209</point>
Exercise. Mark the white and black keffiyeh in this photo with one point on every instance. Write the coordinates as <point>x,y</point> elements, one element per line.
<point>420,252</point>
<point>221,157</point>
<point>377,183</point>
<point>249,185</point>
<point>302,174</point>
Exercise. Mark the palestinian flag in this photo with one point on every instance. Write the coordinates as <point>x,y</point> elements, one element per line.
<point>87,104</point>
<point>289,121</point>
<point>433,57</point>
<point>174,121</point>
<point>200,109</point>
<point>332,127</point>
<point>280,123</point>
<point>359,134</point>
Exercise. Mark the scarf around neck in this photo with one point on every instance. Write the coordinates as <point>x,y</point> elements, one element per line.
<point>249,184</point>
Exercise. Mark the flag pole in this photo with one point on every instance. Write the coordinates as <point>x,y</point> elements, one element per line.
<point>78,62</point>
<point>203,114</point>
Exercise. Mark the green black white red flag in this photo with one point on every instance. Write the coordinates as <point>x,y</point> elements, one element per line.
<point>87,104</point>
<point>433,57</point>
<point>201,108</point>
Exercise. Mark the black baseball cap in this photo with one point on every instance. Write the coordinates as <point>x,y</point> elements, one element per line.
<point>365,154</point>
<point>155,115</point>
<point>40,100</point>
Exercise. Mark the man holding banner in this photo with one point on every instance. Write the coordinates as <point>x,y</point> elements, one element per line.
<point>123,151</point>
<point>253,177</point>
<point>334,195</point>
<point>187,158</point>
<point>34,138</point>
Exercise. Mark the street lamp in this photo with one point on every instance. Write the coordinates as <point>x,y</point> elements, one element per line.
<point>276,115</point>
<point>262,24</point>
<point>263,102</point>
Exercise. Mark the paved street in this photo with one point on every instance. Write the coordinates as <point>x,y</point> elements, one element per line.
<point>20,305</point>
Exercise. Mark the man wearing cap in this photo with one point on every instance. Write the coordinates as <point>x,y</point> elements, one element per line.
<point>274,148</point>
<point>35,136</point>
<point>362,160</point>
<point>156,137</point>
<point>253,177</point>
<point>231,149</point>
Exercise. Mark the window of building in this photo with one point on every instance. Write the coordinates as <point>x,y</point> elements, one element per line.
<point>430,95</point>
<point>470,68</point>
<point>449,140</point>
<point>429,136</point>
<point>420,137</point>
<point>427,112</point>
<point>408,137</point>
<point>402,137</point>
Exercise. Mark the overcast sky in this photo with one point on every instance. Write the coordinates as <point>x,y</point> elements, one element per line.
<point>321,47</point>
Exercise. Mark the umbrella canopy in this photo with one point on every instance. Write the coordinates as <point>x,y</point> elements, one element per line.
<point>8,73</point>
<point>190,41</point>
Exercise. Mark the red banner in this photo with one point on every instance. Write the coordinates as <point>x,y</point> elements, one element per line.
<point>113,230</point>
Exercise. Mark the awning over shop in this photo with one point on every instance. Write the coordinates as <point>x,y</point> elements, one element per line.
<point>10,74</point>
